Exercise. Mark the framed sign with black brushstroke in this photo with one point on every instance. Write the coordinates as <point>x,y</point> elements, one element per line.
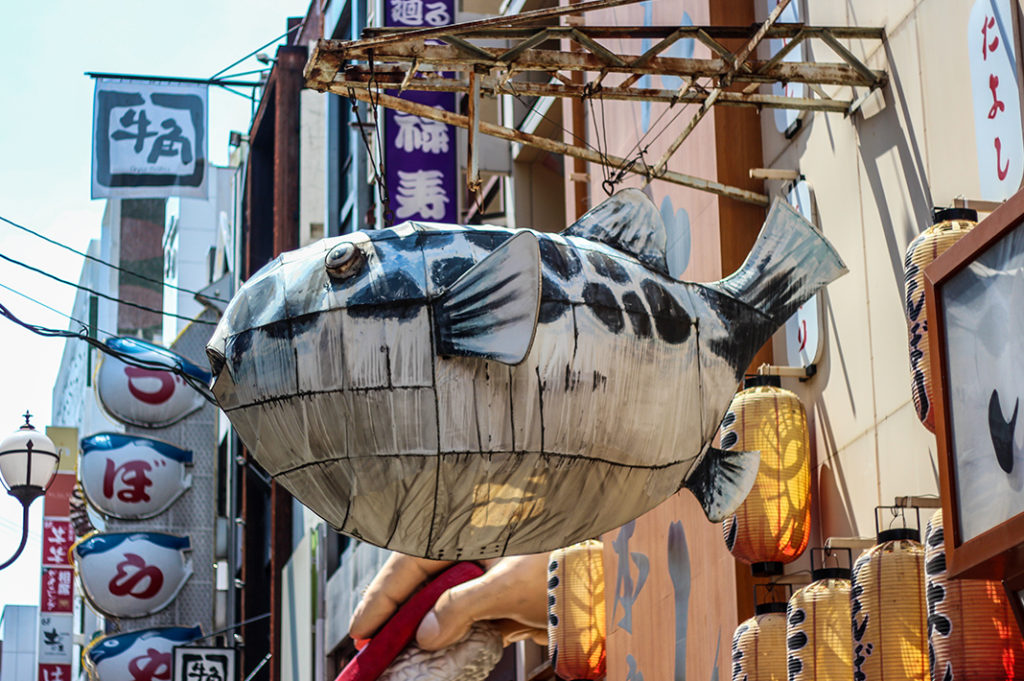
<point>975,299</point>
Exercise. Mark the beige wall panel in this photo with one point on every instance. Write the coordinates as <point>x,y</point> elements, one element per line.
<point>907,465</point>
<point>848,490</point>
<point>948,137</point>
<point>649,638</point>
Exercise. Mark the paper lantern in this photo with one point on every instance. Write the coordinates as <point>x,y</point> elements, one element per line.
<point>773,524</point>
<point>972,633</point>
<point>818,626</point>
<point>949,226</point>
<point>887,607</point>
<point>759,643</point>
<point>576,614</point>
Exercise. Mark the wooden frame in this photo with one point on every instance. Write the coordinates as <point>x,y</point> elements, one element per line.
<point>998,551</point>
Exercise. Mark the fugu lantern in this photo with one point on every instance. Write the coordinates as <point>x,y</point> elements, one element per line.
<point>949,226</point>
<point>887,605</point>
<point>773,524</point>
<point>972,633</point>
<point>759,643</point>
<point>576,614</point>
<point>818,623</point>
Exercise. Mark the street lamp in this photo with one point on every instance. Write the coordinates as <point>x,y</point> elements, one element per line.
<point>28,463</point>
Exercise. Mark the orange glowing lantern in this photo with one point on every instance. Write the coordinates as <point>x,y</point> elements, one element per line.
<point>576,614</point>
<point>818,625</point>
<point>773,524</point>
<point>759,643</point>
<point>949,226</point>
<point>887,606</point>
<point>972,633</point>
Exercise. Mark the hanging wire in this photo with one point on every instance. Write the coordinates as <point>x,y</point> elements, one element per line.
<point>51,309</point>
<point>104,262</point>
<point>293,29</point>
<point>115,299</point>
<point>378,134</point>
<point>127,358</point>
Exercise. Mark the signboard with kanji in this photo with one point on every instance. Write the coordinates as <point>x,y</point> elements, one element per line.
<point>149,139</point>
<point>419,155</point>
<point>193,663</point>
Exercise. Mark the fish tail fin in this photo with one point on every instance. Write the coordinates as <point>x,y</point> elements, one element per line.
<point>789,263</point>
<point>721,480</point>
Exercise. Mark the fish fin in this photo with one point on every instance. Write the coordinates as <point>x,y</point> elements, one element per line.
<point>491,310</point>
<point>722,479</point>
<point>629,222</point>
<point>789,263</point>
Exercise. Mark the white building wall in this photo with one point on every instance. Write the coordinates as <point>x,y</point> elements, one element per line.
<point>19,634</point>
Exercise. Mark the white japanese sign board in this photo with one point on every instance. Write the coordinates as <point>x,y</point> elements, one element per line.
<point>803,336</point>
<point>149,139</point>
<point>995,93</point>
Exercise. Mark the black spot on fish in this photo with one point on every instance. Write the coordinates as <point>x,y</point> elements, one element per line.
<point>608,267</point>
<point>486,239</point>
<point>1001,431</point>
<point>670,319</point>
<point>602,301</point>
<point>562,260</point>
<point>278,330</point>
<point>549,290</point>
<point>304,323</point>
<point>396,295</point>
<point>444,272</point>
<point>637,314</point>
<point>237,347</point>
<point>389,238</point>
<point>550,310</point>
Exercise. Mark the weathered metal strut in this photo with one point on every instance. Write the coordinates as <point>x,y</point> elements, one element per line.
<point>462,58</point>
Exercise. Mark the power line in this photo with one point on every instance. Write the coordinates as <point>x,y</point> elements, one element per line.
<point>51,309</point>
<point>102,295</point>
<point>132,360</point>
<point>101,261</point>
<point>265,45</point>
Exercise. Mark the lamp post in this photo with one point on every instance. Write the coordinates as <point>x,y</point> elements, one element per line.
<point>28,463</point>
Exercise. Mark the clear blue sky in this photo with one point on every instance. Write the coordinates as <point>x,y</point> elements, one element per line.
<point>45,128</point>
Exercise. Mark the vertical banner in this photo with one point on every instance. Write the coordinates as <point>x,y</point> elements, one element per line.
<point>57,596</point>
<point>419,155</point>
<point>149,139</point>
<point>995,93</point>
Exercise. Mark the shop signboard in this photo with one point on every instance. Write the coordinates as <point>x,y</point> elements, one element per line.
<point>974,292</point>
<point>132,477</point>
<point>803,335</point>
<point>419,154</point>
<point>149,139</point>
<point>57,581</point>
<point>786,119</point>
<point>128,574</point>
<point>145,654</point>
<point>197,663</point>
<point>995,93</point>
<point>144,396</point>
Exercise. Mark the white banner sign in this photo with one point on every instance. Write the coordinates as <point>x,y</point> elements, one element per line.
<point>195,663</point>
<point>149,139</point>
<point>995,93</point>
<point>55,630</point>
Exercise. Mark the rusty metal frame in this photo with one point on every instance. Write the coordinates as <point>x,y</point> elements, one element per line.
<point>448,59</point>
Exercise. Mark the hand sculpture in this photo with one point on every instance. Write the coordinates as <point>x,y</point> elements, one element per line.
<point>512,591</point>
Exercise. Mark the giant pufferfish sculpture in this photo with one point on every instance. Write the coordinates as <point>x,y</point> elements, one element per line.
<point>461,392</point>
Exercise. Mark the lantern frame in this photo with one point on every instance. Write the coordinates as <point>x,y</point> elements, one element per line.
<point>998,551</point>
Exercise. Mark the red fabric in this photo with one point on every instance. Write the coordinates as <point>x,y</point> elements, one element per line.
<point>396,634</point>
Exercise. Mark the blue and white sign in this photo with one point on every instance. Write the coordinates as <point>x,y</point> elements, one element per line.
<point>995,93</point>
<point>151,398</point>
<point>132,477</point>
<point>145,654</point>
<point>149,139</point>
<point>132,574</point>
<point>419,154</point>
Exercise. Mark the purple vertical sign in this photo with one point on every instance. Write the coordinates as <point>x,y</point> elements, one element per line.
<point>419,154</point>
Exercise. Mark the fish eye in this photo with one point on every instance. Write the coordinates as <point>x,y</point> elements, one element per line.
<point>344,260</point>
